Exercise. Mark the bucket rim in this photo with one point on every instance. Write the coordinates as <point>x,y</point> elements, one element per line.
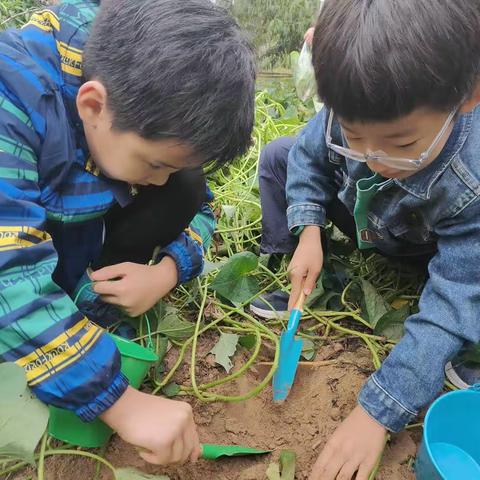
<point>130,349</point>
<point>430,412</point>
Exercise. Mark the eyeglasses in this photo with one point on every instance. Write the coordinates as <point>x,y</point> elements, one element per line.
<point>379,156</point>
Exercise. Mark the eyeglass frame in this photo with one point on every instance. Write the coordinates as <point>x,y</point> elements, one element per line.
<point>380,156</point>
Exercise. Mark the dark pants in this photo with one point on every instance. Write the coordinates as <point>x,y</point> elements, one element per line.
<point>155,217</point>
<point>276,237</point>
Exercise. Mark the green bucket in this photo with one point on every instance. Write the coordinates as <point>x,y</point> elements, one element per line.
<point>66,426</point>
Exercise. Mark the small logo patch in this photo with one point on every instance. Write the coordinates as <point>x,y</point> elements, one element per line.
<point>369,236</point>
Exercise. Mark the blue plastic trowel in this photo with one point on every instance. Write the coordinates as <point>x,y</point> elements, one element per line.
<point>290,350</point>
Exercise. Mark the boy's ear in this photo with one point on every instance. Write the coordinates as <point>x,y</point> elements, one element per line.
<point>91,102</point>
<point>472,101</point>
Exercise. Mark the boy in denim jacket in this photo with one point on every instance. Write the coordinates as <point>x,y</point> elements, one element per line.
<point>393,160</point>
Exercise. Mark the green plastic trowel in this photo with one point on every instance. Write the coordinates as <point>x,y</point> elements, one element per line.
<point>213,452</point>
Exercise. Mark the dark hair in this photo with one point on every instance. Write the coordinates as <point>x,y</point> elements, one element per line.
<point>378,60</point>
<point>175,69</point>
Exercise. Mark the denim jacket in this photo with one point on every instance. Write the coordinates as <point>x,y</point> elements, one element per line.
<point>435,210</point>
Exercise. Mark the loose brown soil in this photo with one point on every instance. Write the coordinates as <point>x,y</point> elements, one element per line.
<point>322,396</point>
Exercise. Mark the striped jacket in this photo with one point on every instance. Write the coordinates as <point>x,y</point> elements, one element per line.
<point>47,179</point>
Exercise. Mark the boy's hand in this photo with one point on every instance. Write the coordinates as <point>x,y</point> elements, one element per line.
<point>163,430</point>
<point>306,263</point>
<point>135,287</point>
<point>355,446</point>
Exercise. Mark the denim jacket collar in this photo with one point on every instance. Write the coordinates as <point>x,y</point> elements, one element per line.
<point>421,183</point>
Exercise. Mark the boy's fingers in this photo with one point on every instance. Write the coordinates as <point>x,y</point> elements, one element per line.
<point>330,471</point>
<point>197,452</point>
<point>365,470</point>
<point>178,451</point>
<point>108,273</point>
<point>188,445</point>
<point>295,293</point>
<point>107,288</point>
<point>110,299</point>
<point>318,467</point>
<point>297,276</point>
<point>327,465</point>
<point>347,471</point>
<point>196,448</point>
<point>154,458</point>
<point>310,282</point>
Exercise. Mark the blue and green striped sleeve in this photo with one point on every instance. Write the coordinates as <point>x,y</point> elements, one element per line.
<point>189,248</point>
<point>68,360</point>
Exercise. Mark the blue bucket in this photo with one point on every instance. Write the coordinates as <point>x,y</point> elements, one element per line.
<point>450,448</point>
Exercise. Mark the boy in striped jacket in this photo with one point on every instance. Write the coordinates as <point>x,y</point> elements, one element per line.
<point>108,114</point>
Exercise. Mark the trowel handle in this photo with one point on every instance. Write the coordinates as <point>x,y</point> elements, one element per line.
<point>300,301</point>
<point>208,453</point>
<point>295,315</point>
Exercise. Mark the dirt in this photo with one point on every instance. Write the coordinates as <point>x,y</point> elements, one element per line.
<point>322,396</point>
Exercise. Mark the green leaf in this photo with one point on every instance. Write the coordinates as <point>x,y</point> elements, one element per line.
<point>291,112</point>
<point>273,471</point>
<point>391,324</point>
<point>175,328</point>
<point>336,279</point>
<point>233,281</point>
<point>210,267</point>
<point>317,292</point>
<point>308,349</point>
<point>13,381</point>
<point>325,301</point>
<point>165,309</point>
<point>171,390</point>
<point>229,211</point>
<point>162,348</point>
<point>133,474</point>
<point>287,464</point>
<point>23,418</point>
<point>224,349</point>
<point>161,345</point>
<point>248,341</point>
<point>286,469</point>
<point>374,304</point>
